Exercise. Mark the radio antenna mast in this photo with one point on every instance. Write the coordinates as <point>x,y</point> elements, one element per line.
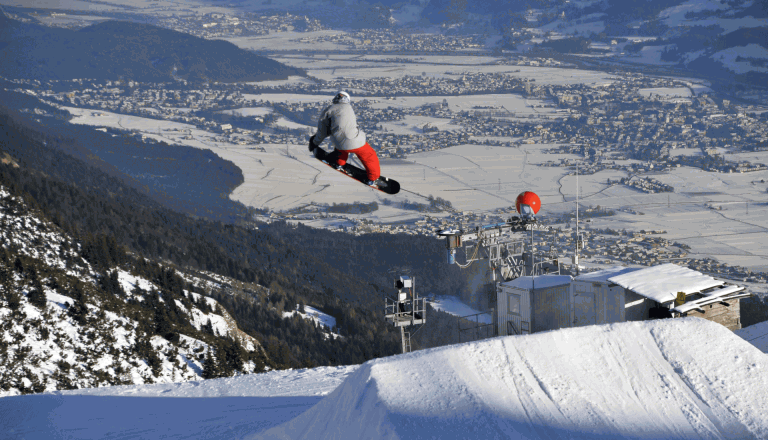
<point>577,218</point>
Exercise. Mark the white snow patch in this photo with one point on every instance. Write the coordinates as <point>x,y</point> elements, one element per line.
<point>456,307</point>
<point>675,92</point>
<point>675,15</point>
<point>407,14</point>
<point>650,55</point>
<point>319,318</point>
<point>291,125</point>
<point>728,58</point>
<point>248,111</point>
<point>129,282</point>
<point>311,313</point>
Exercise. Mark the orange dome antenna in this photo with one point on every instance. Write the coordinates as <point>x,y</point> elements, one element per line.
<point>527,204</point>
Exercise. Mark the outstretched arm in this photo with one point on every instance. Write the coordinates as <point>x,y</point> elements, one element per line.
<point>323,130</point>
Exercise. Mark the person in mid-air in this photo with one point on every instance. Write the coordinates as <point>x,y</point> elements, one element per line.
<point>338,122</point>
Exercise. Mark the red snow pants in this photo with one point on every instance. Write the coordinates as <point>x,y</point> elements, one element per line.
<point>367,156</point>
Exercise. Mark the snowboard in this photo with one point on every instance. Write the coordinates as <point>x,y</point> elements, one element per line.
<point>383,184</point>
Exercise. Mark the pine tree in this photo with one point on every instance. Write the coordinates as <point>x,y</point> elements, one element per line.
<point>207,327</point>
<point>162,326</point>
<point>37,296</point>
<point>10,293</point>
<point>210,366</point>
<point>78,310</point>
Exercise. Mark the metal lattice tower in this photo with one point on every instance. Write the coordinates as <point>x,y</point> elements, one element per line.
<point>406,309</point>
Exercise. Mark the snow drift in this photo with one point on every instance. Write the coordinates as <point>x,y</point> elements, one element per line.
<point>673,379</point>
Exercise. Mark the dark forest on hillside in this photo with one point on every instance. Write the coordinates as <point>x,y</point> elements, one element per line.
<point>343,275</point>
<point>134,51</point>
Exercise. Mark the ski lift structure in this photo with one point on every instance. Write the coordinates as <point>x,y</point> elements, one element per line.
<point>504,246</point>
<point>406,309</point>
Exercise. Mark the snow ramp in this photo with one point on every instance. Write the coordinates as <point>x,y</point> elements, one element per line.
<point>670,379</point>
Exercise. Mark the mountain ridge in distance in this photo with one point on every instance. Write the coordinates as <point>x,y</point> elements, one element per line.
<point>126,50</point>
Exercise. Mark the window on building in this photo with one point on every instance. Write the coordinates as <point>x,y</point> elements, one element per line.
<point>514,304</point>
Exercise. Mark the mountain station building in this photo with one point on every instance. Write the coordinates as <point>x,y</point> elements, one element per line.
<point>532,304</point>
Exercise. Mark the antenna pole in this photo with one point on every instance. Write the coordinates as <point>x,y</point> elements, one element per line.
<point>532,260</point>
<point>577,217</point>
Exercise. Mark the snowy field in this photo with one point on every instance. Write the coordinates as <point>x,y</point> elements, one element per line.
<point>417,124</point>
<point>248,111</point>
<point>483,178</point>
<point>717,214</point>
<point>639,380</point>
<point>330,69</point>
<point>517,106</point>
<point>673,92</point>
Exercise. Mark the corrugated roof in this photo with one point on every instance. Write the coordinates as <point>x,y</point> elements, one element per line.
<point>540,282</point>
<point>661,283</point>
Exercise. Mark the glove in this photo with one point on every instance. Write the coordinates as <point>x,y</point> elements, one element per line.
<point>312,145</point>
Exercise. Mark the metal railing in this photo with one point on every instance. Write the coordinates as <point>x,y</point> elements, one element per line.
<point>470,330</point>
<point>543,267</point>
<point>406,312</point>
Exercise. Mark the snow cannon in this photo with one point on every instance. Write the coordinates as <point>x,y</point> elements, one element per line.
<point>452,241</point>
<point>527,205</point>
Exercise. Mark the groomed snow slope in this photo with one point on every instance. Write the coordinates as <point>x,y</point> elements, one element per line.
<point>671,379</point>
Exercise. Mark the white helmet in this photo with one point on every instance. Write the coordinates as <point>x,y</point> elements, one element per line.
<point>341,97</point>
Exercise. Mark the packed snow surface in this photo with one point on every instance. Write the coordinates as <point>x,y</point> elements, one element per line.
<point>228,408</point>
<point>672,379</point>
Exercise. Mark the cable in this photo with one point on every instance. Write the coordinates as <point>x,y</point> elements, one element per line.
<point>472,259</point>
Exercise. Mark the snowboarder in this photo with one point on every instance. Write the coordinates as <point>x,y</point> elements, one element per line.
<point>339,122</point>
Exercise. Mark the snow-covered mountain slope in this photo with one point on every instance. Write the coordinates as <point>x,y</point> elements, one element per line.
<point>66,324</point>
<point>673,379</point>
<point>726,36</point>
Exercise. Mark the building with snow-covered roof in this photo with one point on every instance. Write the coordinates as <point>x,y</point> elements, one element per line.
<point>617,294</point>
<point>669,290</point>
<point>532,304</point>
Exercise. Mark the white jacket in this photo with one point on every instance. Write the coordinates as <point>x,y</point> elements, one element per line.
<point>339,122</point>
